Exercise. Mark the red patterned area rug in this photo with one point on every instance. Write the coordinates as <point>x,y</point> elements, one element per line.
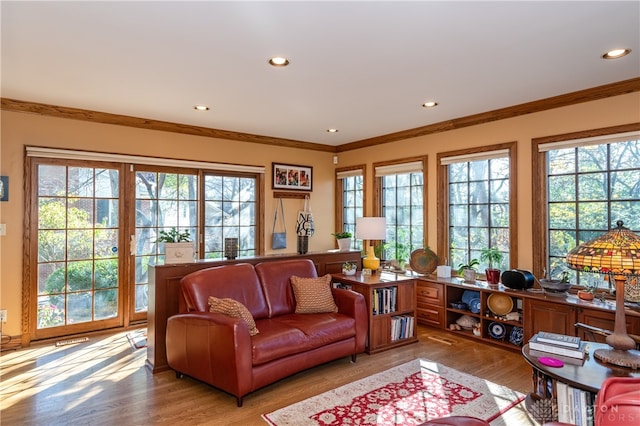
<point>408,394</point>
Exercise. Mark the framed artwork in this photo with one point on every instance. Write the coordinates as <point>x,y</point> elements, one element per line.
<point>4,188</point>
<point>290,176</point>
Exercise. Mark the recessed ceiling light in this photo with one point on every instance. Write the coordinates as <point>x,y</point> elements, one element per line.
<point>332,130</point>
<point>279,61</point>
<point>616,53</point>
<point>430,104</point>
<point>201,108</point>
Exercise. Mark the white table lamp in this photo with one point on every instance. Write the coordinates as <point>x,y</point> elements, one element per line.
<point>371,228</point>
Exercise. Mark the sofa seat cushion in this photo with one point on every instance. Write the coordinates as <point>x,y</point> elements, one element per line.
<point>275,340</point>
<point>294,333</point>
<point>322,329</point>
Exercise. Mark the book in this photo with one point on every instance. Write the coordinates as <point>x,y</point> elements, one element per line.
<point>559,339</point>
<point>537,345</point>
<point>577,407</point>
<point>562,398</point>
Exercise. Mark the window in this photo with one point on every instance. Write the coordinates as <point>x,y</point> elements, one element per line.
<point>402,196</point>
<point>93,225</point>
<point>591,184</point>
<point>350,201</point>
<point>476,204</point>
<point>230,211</point>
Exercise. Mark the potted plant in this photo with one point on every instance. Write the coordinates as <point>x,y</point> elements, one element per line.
<point>468,270</point>
<point>555,286</point>
<point>589,290</point>
<point>492,255</point>
<point>402,253</point>
<point>178,247</point>
<point>349,268</point>
<point>344,240</point>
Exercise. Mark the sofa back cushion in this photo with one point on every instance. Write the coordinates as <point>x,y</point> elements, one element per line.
<point>275,278</point>
<point>238,282</point>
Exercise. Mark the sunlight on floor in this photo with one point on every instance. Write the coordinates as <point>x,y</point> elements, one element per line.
<point>38,374</point>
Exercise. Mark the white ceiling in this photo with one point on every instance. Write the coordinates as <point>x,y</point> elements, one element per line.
<point>364,68</point>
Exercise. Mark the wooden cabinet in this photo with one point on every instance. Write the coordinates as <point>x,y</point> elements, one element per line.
<point>164,289</point>
<point>560,316</point>
<point>391,303</point>
<point>551,316</point>
<point>430,303</point>
<point>606,321</point>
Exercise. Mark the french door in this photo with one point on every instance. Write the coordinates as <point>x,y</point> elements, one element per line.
<point>164,199</point>
<point>77,216</point>
<point>94,234</point>
<point>93,226</point>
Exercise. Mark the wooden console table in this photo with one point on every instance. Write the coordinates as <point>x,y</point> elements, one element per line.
<point>164,290</point>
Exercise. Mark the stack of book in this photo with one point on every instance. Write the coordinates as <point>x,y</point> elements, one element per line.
<point>575,406</point>
<point>401,327</point>
<point>558,344</point>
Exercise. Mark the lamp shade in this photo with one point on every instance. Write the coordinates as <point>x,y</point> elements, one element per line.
<point>371,228</point>
<point>615,253</point>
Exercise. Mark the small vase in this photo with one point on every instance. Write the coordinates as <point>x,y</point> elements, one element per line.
<point>303,244</point>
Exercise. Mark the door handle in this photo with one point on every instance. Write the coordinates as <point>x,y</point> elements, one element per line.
<point>132,245</point>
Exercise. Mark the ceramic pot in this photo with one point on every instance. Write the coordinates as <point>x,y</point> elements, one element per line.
<point>493,275</point>
<point>469,275</point>
<point>344,244</point>
<point>585,295</point>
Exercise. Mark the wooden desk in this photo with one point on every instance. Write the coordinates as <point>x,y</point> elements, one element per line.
<point>587,376</point>
<point>401,308</point>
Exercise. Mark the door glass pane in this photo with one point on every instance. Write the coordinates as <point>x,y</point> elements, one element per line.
<point>75,228</point>
<point>230,208</point>
<point>163,201</point>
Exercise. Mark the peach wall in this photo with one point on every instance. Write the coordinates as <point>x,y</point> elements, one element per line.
<point>613,111</point>
<point>20,129</point>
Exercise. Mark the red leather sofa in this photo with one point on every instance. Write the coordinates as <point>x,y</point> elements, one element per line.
<point>218,349</point>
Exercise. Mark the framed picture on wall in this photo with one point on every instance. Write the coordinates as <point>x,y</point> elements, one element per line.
<point>290,176</point>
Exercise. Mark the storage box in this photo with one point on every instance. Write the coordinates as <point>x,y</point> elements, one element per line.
<point>443,271</point>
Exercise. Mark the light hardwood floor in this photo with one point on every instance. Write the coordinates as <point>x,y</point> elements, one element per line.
<point>104,382</point>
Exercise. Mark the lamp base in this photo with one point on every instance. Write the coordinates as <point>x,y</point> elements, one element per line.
<point>371,261</point>
<point>629,359</point>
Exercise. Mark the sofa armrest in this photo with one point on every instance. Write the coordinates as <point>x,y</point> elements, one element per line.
<point>352,304</point>
<point>211,347</point>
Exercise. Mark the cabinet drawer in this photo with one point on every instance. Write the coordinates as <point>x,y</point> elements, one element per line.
<point>430,293</point>
<point>432,316</point>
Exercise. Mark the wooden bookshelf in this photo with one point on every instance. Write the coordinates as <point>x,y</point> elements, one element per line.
<point>390,299</point>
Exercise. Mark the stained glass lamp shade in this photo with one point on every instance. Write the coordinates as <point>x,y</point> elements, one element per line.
<point>617,254</point>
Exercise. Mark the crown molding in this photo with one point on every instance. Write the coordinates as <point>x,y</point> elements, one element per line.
<point>587,95</point>
<point>145,123</point>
